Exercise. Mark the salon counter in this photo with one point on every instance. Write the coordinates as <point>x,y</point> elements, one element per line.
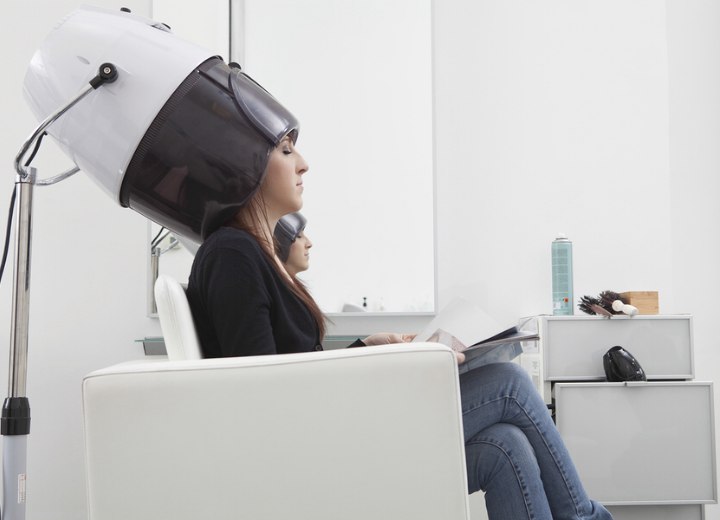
<point>644,449</point>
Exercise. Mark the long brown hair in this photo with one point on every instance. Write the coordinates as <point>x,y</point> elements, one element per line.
<point>252,218</point>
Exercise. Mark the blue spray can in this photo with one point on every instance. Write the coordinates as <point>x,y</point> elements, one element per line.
<point>562,276</point>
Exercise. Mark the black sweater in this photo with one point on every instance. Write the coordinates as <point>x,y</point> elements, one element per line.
<point>241,305</point>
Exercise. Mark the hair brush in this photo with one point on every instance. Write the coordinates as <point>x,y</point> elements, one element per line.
<point>607,304</point>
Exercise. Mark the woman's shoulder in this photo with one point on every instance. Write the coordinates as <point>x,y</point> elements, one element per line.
<point>229,253</point>
<point>227,238</point>
<point>229,248</point>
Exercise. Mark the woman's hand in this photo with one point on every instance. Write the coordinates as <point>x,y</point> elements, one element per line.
<point>388,338</point>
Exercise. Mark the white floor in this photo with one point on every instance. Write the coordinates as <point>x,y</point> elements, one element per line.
<point>477,506</point>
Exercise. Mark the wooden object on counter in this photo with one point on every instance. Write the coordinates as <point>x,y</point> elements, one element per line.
<point>645,301</point>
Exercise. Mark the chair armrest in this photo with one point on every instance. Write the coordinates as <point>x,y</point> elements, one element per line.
<point>372,432</point>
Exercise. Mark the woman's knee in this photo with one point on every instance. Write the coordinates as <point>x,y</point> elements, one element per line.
<point>498,374</point>
<point>507,436</point>
<point>513,370</point>
<point>498,453</point>
<point>517,377</point>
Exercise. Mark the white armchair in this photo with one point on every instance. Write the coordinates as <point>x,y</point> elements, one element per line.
<point>364,433</point>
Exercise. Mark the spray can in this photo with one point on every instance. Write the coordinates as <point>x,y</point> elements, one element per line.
<point>562,276</point>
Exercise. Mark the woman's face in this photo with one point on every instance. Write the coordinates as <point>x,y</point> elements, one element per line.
<point>299,256</point>
<point>283,186</point>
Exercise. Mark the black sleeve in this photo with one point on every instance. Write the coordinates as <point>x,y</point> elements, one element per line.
<point>357,343</point>
<point>238,302</point>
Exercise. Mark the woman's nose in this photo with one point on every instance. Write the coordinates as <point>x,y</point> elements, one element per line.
<point>302,165</point>
<point>308,245</point>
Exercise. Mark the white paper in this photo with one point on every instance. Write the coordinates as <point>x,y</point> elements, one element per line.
<point>464,320</point>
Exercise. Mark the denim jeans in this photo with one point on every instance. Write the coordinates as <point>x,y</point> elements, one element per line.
<point>514,452</point>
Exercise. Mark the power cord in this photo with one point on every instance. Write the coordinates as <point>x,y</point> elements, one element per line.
<point>155,241</point>
<point>11,210</point>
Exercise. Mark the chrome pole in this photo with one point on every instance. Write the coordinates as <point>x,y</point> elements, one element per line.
<point>15,420</point>
<point>21,286</point>
<point>154,273</point>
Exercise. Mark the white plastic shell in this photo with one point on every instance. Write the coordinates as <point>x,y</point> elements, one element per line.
<point>101,133</point>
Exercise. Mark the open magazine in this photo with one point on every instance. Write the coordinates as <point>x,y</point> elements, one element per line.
<point>466,328</point>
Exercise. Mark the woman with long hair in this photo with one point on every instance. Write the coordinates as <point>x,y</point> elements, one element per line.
<point>292,244</point>
<point>246,303</point>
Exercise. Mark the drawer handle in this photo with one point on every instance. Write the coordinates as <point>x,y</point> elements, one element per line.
<point>635,383</point>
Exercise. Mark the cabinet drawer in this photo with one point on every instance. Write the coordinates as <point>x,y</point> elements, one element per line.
<point>641,443</point>
<point>573,346</point>
<point>688,512</point>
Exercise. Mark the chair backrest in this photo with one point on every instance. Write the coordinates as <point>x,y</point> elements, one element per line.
<point>176,320</point>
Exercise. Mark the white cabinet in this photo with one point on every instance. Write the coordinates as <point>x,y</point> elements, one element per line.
<point>685,512</point>
<point>574,345</point>
<point>640,443</point>
<point>644,449</point>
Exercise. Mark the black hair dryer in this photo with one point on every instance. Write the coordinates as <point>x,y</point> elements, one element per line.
<point>620,365</point>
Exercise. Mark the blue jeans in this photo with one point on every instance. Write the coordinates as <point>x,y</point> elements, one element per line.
<point>514,452</point>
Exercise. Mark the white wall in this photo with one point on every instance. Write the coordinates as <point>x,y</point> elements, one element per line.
<point>552,116</point>
<point>694,64</point>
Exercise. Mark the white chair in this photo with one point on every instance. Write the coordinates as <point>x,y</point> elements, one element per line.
<point>176,320</point>
<point>353,434</point>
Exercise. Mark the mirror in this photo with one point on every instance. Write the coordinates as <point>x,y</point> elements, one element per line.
<point>358,75</point>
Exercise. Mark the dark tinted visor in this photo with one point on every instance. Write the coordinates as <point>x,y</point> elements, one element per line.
<point>263,111</point>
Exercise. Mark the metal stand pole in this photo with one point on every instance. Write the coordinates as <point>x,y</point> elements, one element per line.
<point>154,273</point>
<point>15,420</point>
